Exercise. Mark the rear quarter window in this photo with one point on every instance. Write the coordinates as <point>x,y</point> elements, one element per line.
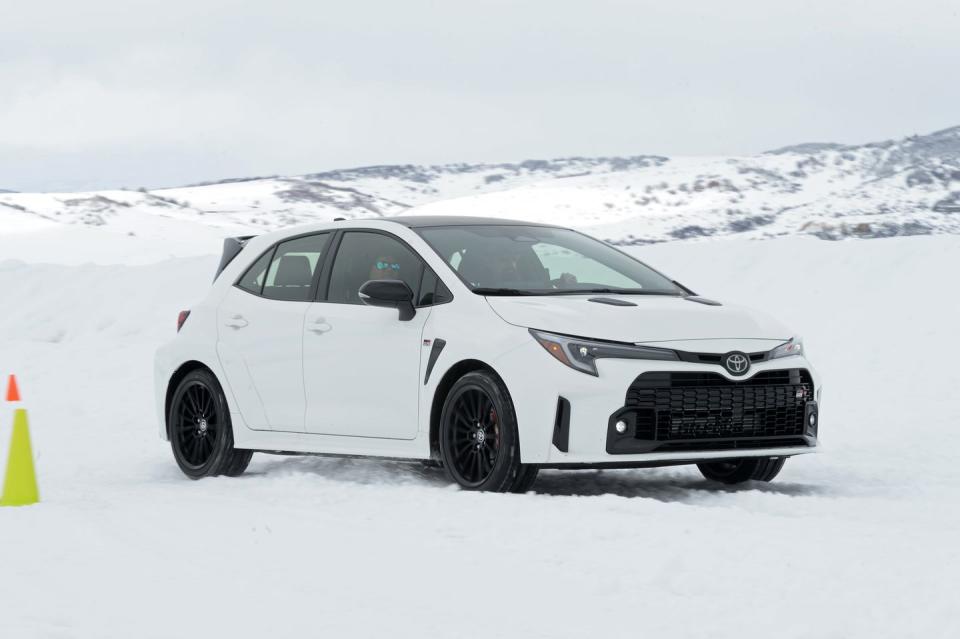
<point>252,281</point>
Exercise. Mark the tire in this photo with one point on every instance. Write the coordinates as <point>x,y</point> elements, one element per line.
<point>200,431</point>
<point>479,403</point>
<point>737,471</point>
<point>528,476</point>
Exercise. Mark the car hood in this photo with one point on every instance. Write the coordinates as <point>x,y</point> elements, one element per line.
<point>655,318</point>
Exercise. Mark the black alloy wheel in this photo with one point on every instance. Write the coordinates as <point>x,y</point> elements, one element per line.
<point>479,445</point>
<point>475,436</point>
<point>197,425</point>
<point>200,431</point>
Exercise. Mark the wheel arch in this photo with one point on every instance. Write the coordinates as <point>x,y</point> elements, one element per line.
<point>175,378</point>
<point>449,378</point>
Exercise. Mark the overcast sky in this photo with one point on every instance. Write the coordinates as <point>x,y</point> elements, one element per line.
<point>111,93</point>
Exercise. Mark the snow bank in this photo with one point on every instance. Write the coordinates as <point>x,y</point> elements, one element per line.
<point>859,541</point>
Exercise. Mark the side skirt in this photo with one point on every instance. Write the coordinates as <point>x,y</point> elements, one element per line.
<point>310,443</point>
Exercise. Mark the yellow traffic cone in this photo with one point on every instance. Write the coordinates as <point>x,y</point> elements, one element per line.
<point>20,485</point>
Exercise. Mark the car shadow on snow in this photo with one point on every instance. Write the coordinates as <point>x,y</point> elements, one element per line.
<point>668,485</point>
<point>349,469</point>
<point>676,485</point>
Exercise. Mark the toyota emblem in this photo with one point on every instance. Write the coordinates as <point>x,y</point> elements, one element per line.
<point>737,363</point>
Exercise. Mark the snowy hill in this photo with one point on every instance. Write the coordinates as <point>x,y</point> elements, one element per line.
<point>899,187</point>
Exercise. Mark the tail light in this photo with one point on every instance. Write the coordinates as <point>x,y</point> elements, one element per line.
<point>181,318</point>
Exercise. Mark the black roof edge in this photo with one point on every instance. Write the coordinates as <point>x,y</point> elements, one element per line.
<point>421,221</point>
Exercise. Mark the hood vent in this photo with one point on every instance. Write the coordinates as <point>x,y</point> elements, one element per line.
<point>611,301</point>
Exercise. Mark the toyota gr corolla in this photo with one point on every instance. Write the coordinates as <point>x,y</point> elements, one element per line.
<point>493,347</point>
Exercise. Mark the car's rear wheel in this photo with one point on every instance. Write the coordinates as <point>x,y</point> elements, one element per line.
<point>479,443</point>
<point>737,471</point>
<point>200,431</point>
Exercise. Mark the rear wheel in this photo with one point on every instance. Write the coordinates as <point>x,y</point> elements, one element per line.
<point>737,471</point>
<point>479,444</point>
<point>200,431</point>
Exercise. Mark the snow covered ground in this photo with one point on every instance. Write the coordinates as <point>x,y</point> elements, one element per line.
<point>858,541</point>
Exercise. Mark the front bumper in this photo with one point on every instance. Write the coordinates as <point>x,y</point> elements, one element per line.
<point>569,419</point>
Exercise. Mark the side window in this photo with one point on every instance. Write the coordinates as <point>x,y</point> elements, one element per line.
<point>370,256</point>
<point>252,280</point>
<point>432,290</point>
<point>294,263</point>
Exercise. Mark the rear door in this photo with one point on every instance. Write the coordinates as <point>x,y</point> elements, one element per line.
<point>261,333</point>
<point>361,363</point>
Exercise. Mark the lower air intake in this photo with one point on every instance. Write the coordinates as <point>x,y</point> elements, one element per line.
<point>707,411</point>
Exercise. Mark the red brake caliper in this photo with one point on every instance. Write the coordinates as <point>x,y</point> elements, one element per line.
<point>496,426</point>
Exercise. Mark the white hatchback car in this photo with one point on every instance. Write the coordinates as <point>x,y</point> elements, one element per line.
<point>493,347</point>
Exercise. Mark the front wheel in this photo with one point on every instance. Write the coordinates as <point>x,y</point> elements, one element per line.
<point>737,471</point>
<point>479,444</point>
<point>200,431</point>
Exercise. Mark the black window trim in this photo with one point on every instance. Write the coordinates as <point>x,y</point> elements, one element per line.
<point>437,284</point>
<point>273,251</point>
<point>323,289</point>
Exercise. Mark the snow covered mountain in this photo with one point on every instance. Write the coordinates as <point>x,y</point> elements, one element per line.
<point>909,186</point>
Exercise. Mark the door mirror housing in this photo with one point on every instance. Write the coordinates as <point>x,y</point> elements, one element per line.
<point>389,294</point>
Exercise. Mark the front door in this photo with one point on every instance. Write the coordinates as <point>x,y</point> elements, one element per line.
<point>361,364</point>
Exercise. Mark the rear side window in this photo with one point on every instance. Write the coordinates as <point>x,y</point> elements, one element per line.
<point>292,269</point>
<point>287,272</point>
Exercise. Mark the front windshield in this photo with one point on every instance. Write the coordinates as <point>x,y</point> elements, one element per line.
<point>537,260</point>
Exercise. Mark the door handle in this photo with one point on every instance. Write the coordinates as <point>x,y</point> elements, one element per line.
<point>319,326</point>
<point>236,322</point>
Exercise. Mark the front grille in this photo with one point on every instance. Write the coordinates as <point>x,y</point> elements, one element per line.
<point>707,411</point>
<point>716,358</point>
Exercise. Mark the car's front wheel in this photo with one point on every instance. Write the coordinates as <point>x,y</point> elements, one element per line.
<point>201,434</point>
<point>479,443</point>
<point>737,471</point>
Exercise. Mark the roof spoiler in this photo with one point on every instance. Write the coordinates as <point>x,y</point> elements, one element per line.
<point>231,248</point>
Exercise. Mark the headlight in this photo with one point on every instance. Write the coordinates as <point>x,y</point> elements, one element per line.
<point>793,347</point>
<point>582,354</point>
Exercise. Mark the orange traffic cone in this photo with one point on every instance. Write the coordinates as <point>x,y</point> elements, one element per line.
<point>13,393</point>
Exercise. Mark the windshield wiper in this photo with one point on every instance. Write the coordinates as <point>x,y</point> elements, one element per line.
<point>620,291</point>
<point>480,290</point>
<point>508,292</point>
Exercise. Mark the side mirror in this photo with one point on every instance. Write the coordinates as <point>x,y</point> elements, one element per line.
<point>389,294</point>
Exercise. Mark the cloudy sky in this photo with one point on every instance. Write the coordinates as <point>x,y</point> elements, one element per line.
<point>112,93</point>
